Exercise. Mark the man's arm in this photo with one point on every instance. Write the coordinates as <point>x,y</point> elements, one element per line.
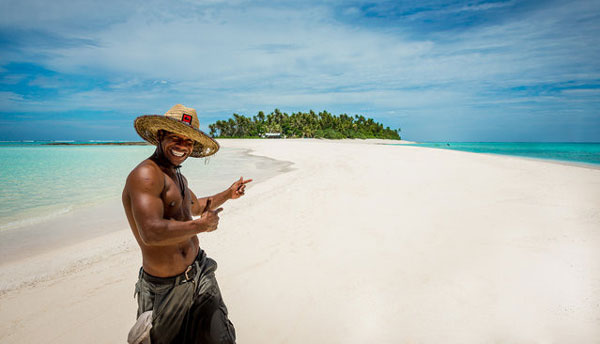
<point>145,185</point>
<point>215,200</point>
<point>236,190</point>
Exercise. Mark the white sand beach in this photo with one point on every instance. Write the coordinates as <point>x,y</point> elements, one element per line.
<point>358,242</point>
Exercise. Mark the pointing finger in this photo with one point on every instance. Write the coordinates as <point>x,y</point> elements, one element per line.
<point>207,207</point>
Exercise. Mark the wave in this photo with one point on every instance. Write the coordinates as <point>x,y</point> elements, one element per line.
<point>35,219</point>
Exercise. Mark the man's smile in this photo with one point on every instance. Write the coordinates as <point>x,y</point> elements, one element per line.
<point>178,153</point>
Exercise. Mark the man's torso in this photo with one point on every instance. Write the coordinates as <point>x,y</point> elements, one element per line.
<point>165,261</point>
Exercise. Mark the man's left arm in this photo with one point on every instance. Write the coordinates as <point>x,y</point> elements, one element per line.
<point>236,190</point>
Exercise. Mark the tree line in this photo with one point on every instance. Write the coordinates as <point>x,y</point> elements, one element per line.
<point>303,125</point>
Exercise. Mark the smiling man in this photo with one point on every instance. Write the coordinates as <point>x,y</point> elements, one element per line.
<point>179,300</point>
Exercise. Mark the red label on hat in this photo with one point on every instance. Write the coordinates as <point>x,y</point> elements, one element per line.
<point>187,119</point>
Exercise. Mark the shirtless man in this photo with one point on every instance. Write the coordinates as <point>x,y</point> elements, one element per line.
<point>176,282</point>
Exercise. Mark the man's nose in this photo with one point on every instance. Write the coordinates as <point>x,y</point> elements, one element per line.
<point>183,146</point>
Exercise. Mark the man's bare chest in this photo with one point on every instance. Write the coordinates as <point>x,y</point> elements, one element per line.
<point>175,205</point>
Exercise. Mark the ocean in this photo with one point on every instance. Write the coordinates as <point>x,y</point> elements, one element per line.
<point>581,153</point>
<point>41,182</point>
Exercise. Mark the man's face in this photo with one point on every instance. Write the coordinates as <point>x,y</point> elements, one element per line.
<point>176,147</point>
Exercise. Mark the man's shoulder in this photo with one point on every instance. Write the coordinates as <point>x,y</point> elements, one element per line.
<point>146,166</point>
<point>145,172</point>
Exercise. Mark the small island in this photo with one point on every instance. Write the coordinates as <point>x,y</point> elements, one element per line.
<point>302,125</point>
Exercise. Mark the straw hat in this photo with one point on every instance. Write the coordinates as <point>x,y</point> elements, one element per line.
<point>179,120</point>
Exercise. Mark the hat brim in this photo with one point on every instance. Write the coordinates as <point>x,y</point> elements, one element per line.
<point>147,127</point>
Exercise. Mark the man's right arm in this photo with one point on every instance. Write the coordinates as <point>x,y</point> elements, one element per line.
<point>145,185</point>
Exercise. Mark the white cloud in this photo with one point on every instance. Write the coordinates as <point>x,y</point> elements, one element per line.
<point>485,6</point>
<point>584,92</point>
<point>10,100</point>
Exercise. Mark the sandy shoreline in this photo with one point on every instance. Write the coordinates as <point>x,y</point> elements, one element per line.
<point>361,242</point>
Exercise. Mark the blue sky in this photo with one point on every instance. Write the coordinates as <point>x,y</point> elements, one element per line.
<point>439,70</point>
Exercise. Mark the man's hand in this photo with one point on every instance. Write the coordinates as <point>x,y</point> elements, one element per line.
<point>210,218</point>
<point>237,189</point>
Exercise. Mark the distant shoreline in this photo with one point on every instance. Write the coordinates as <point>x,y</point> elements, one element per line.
<point>142,143</point>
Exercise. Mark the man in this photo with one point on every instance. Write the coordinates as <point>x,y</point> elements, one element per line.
<point>176,282</point>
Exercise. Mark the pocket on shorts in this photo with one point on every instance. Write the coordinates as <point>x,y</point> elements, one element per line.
<point>175,299</point>
<point>158,300</point>
<point>160,293</point>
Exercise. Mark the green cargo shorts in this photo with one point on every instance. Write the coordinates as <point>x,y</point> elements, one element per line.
<point>186,308</point>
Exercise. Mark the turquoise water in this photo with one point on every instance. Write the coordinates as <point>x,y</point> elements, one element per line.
<point>586,153</point>
<point>44,181</point>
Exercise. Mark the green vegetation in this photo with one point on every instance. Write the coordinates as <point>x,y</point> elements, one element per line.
<point>302,124</point>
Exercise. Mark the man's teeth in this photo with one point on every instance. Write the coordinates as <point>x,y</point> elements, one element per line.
<point>176,153</point>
